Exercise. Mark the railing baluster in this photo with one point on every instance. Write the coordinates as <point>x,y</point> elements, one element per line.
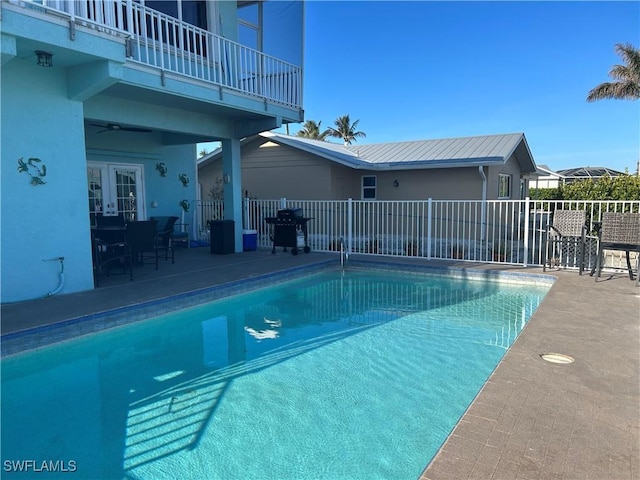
<point>388,227</point>
<point>162,41</point>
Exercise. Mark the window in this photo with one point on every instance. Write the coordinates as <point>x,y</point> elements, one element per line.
<point>504,186</point>
<point>369,187</point>
<point>190,11</point>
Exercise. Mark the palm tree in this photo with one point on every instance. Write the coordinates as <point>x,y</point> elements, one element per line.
<point>627,84</point>
<point>311,130</point>
<point>346,130</point>
<point>202,153</point>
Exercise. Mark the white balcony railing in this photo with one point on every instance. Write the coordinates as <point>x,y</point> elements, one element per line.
<point>500,231</point>
<point>159,40</point>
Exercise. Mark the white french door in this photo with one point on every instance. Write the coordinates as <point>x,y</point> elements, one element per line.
<point>116,189</point>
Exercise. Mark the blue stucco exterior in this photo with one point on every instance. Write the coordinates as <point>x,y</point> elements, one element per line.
<point>55,114</point>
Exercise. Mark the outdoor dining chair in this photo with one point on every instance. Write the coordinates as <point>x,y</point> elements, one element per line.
<point>110,249</point>
<point>142,239</point>
<point>165,235</point>
<point>619,231</point>
<point>565,239</point>
<point>110,220</point>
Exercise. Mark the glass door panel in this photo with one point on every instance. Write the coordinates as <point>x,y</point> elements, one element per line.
<point>95,176</point>
<point>115,189</point>
<point>125,191</point>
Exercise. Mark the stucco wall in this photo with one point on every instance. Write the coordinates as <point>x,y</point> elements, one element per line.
<point>442,184</point>
<point>51,220</point>
<point>511,167</point>
<point>271,171</point>
<point>145,149</point>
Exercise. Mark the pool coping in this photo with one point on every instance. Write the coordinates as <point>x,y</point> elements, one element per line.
<point>33,338</point>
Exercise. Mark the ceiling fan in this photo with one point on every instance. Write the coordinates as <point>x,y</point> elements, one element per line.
<point>115,127</point>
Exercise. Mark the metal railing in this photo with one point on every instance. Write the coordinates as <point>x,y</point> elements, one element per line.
<point>500,231</point>
<point>159,40</point>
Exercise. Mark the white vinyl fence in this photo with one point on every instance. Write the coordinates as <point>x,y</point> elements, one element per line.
<point>501,231</point>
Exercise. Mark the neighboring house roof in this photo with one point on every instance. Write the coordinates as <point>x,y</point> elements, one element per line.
<point>589,172</point>
<point>439,153</point>
<point>545,171</point>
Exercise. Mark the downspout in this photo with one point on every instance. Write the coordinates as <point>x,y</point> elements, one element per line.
<point>483,206</point>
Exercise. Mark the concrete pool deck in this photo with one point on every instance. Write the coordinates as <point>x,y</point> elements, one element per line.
<point>532,420</point>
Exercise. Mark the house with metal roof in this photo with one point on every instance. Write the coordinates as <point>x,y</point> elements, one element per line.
<point>468,168</point>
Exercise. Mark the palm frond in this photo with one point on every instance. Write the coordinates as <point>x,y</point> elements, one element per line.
<point>627,86</point>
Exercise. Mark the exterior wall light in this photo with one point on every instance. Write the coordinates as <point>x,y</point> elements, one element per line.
<point>226,178</point>
<point>45,59</point>
<point>396,184</point>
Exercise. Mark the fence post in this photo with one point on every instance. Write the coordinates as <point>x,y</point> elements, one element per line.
<point>349,224</point>
<point>247,220</point>
<point>283,203</point>
<point>429,216</point>
<point>526,231</point>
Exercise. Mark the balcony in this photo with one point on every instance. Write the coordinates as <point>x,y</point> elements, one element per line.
<point>154,39</point>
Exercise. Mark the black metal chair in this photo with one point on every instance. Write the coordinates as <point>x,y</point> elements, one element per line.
<point>110,220</point>
<point>110,248</point>
<point>565,238</point>
<point>142,240</point>
<point>165,235</point>
<point>619,231</point>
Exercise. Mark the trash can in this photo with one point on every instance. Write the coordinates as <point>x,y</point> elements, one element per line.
<point>249,240</point>
<point>222,237</point>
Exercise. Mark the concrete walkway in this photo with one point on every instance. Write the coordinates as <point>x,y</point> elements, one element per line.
<point>532,420</point>
<point>537,420</point>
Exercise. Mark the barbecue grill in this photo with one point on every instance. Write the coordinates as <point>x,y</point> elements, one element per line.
<point>289,229</point>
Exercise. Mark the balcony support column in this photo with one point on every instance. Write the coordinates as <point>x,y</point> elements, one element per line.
<point>8,48</point>
<point>232,186</point>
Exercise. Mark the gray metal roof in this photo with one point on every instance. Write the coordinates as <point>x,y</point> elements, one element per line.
<point>438,153</point>
<point>465,149</point>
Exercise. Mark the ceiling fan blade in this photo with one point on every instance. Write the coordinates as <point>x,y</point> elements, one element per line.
<point>101,131</point>
<point>135,129</point>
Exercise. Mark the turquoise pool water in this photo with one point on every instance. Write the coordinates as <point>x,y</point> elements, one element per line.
<point>333,376</point>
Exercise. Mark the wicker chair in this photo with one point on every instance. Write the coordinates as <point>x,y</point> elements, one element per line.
<point>565,237</point>
<point>619,231</point>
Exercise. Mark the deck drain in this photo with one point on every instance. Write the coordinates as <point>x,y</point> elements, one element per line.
<point>559,358</point>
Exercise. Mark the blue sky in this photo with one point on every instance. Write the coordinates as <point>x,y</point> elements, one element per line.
<point>420,70</point>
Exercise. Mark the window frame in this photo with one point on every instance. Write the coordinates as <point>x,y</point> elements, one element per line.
<point>373,187</point>
<point>501,178</point>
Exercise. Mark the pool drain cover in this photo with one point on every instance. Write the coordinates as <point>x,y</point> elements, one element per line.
<point>558,358</point>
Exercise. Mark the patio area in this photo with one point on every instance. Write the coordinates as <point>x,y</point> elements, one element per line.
<point>532,420</point>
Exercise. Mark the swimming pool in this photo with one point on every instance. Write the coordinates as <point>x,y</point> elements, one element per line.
<point>356,375</point>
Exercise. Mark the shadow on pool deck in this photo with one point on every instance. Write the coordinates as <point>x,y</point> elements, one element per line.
<point>532,420</point>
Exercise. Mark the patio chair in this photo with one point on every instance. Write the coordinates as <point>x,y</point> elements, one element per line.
<point>142,240</point>
<point>108,249</point>
<point>181,235</point>
<point>109,220</point>
<point>165,232</point>
<point>565,238</point>
<point>619,231</point>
